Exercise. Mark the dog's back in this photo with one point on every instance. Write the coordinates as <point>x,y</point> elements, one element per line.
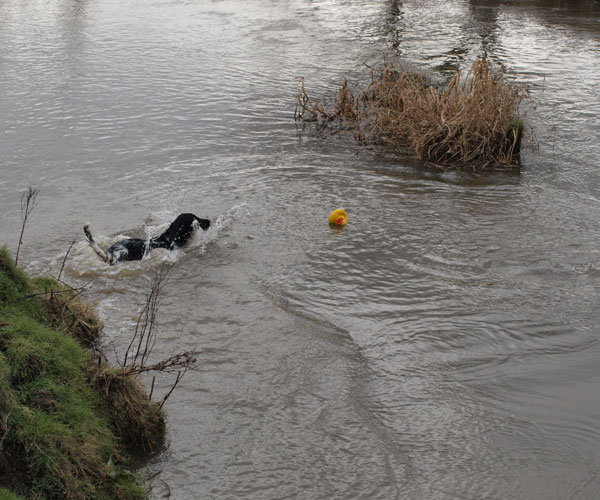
<point>179,232</point>
<point>129,249</point>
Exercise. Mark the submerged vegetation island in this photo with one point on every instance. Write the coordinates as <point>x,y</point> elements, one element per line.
<point>70,424</point>
<point>472,121</point>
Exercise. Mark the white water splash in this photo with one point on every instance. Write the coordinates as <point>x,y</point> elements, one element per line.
<point>84,263</point>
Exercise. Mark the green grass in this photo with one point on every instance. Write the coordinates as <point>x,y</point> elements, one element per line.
<point>9,495</point>
<point>58,435</point>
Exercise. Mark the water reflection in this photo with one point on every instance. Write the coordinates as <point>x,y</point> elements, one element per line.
<point>539,6</point>
<point>465,29</point>
<point>393,24</point>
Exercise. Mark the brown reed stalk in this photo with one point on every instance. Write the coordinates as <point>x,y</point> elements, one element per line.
<point>472,121</point>
<point>28,200</point>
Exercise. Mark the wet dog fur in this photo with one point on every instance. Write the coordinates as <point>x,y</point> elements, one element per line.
<point>176,236</point>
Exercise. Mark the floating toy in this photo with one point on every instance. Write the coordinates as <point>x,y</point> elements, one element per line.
<point>338,217</point>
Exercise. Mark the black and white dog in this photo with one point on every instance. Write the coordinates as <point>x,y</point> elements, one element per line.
<point>176,236</point>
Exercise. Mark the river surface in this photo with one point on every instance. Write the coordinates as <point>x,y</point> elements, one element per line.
<point>444,345</point>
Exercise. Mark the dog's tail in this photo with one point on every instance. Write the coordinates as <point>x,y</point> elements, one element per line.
<point>99,252</point>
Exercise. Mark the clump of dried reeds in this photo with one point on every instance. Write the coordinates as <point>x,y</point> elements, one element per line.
<point>136,420</point>
<point>472,121</point>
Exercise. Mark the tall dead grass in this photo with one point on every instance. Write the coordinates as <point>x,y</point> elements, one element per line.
<point>473,121</point>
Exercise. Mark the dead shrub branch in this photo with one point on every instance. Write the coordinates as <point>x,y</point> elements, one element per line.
<point>143,340</point>
<point>28,201</point>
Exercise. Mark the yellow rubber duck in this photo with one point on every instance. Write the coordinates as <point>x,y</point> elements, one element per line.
<point>338,217</point>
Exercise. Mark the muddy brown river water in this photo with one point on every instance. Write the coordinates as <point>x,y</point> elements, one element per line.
<point>444,345</point>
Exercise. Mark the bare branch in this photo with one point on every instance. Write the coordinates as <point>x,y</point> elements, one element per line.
<point>144,336</point>
<point>65,260</point>
<point>179,377</point>
<point>143,340</point>
<point>28,200</point>
<point>171,364</point>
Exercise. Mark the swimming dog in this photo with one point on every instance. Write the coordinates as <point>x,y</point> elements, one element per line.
<point>176,236</point>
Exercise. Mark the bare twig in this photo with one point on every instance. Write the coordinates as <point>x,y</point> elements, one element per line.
<point>168,495</point>
<point>139,350</point>
<point>171,364</point>
<point>144,335</point>
<point>68,290</point>
<point>65,260</point>
<point>47,292</point>
<point>152,387</point>
<point>179,377</point>
<point>28,200</point>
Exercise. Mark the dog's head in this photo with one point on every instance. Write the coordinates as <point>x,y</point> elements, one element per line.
<point>180,231</point>
<point>203,223</point>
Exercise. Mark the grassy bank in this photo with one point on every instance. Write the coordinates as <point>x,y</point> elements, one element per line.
<point>472,121</point>
<point>68,421</point>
